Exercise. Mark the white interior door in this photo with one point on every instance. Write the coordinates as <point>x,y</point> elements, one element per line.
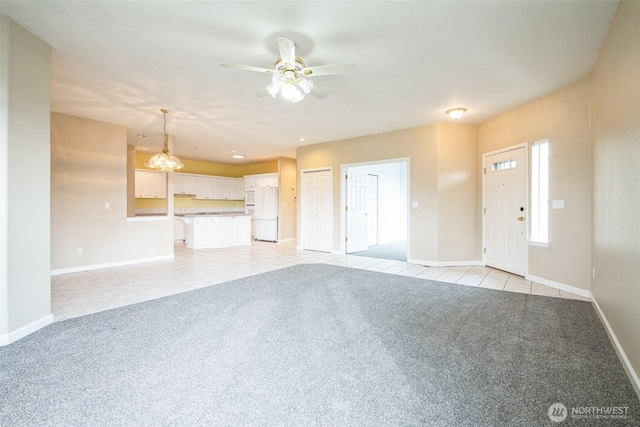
<point>372,210</point>
<point>357,188</point>
<point>505,211</point>
<point>316,199</point>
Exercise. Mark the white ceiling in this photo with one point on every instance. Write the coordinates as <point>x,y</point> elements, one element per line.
<point>121,61</point>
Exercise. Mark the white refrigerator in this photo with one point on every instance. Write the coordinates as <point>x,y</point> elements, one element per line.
<point>266,214</point>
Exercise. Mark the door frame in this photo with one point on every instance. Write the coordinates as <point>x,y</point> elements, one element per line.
<point>301,204</point>
<point>527,202</point>
<point>343,198</point>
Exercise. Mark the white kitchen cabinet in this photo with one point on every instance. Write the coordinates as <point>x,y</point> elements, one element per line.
<point>231,188</point>
<point>241,230</point>
<point>218,231</point>
<point>225,188</point>
<point>268,180</point>
<point>179,229</point>
<point>252,182</point>
<point>150,185</point>
<point>219,188</point>
<point>238,189</point>
<point>249,182</point>
<point>206,187</point>
<point>184,184</point>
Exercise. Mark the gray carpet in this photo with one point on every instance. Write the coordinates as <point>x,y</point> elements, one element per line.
<point>318,345</point>
<point>393,250</point>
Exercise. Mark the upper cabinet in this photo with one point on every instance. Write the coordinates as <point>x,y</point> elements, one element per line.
<point>263,180</point>
<point>184,184</point>
<point>150,185</point>
<point>219,188</point>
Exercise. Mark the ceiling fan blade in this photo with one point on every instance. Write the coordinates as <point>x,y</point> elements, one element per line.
<point>324,70</point>
<point>287,50</point>
<point>247,68</point>
<point>318,93</point>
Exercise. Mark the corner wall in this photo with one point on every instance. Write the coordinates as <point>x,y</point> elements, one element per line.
<point>89,169</point>
<point>615,126</point>
<point>430,161</point>
<point>25,282</point>
<point>562,117</point>
<point>287,208</point>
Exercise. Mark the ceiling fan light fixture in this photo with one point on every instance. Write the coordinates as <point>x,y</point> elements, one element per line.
<point>273,89</point>
<point>289,76</point>
<point>305,85</point>
<point>291,92</point>
<point>456,113</point>
<point>164,161</point>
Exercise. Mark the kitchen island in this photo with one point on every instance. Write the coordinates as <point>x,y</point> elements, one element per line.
<point>217,230</point>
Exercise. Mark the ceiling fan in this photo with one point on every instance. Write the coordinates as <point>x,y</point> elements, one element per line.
<point>290,75</point>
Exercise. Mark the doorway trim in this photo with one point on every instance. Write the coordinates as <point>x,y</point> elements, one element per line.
<point>300,244</point>
<point>343,198</point>
<point>526,147</point>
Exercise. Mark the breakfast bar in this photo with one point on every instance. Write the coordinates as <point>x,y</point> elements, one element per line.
<point>217,230</point>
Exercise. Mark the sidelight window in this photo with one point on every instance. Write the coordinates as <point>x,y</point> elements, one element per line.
<point>540,191</point>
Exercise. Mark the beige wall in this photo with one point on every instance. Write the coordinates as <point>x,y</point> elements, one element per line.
<point>615,92</point>
<point>89,169</point>
<point>561,117</point>
<point>25,283</point>
<point>458,193</point>
<point>287,190</point>
<point>432,164</point>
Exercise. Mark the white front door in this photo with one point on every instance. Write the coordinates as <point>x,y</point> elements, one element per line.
<point>316,199</point>
<point>505,229</point>
<point>357,188</point>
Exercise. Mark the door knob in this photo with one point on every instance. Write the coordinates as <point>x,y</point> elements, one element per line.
<point>520,218</point>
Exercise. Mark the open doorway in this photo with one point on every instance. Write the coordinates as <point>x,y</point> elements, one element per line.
<point>376,209</point>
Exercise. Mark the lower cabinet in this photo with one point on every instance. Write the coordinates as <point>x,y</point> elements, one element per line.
<point>179,229</point>
<point>217,231</point>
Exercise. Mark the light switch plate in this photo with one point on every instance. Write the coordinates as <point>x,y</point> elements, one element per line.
<point>557,204</point>
<point>107,205</point>
<point>414,204</point>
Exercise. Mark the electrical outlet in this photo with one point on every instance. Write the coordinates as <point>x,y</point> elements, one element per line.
<point>107,205</point>
<point>79,251</point>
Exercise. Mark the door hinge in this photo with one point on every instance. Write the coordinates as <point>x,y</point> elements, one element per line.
<point>485,210</point>
<point>485,171</point>
<point>346,177</point>
<point>484,250</point>
<point>346,208</point>
<point>346,239</point>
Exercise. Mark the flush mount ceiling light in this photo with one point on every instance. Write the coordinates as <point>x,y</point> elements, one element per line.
<point>456,113</point>
<point>290,77</point>
<point>238,156</point>
<point>164,161</point>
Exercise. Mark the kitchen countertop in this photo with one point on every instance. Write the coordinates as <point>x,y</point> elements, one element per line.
<point>212,214</point>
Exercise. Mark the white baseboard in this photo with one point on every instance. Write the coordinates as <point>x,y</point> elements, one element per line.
<point>286,240</point>
<point>109,264</point>
<point>442,263</point>
<point>571,289</point>
<point>25,330</point>
<point>626,364</point>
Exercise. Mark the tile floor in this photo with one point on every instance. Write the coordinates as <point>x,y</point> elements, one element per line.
<point>77,294</point>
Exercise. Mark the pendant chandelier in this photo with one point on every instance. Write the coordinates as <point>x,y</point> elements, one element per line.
<point>164,161</point>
